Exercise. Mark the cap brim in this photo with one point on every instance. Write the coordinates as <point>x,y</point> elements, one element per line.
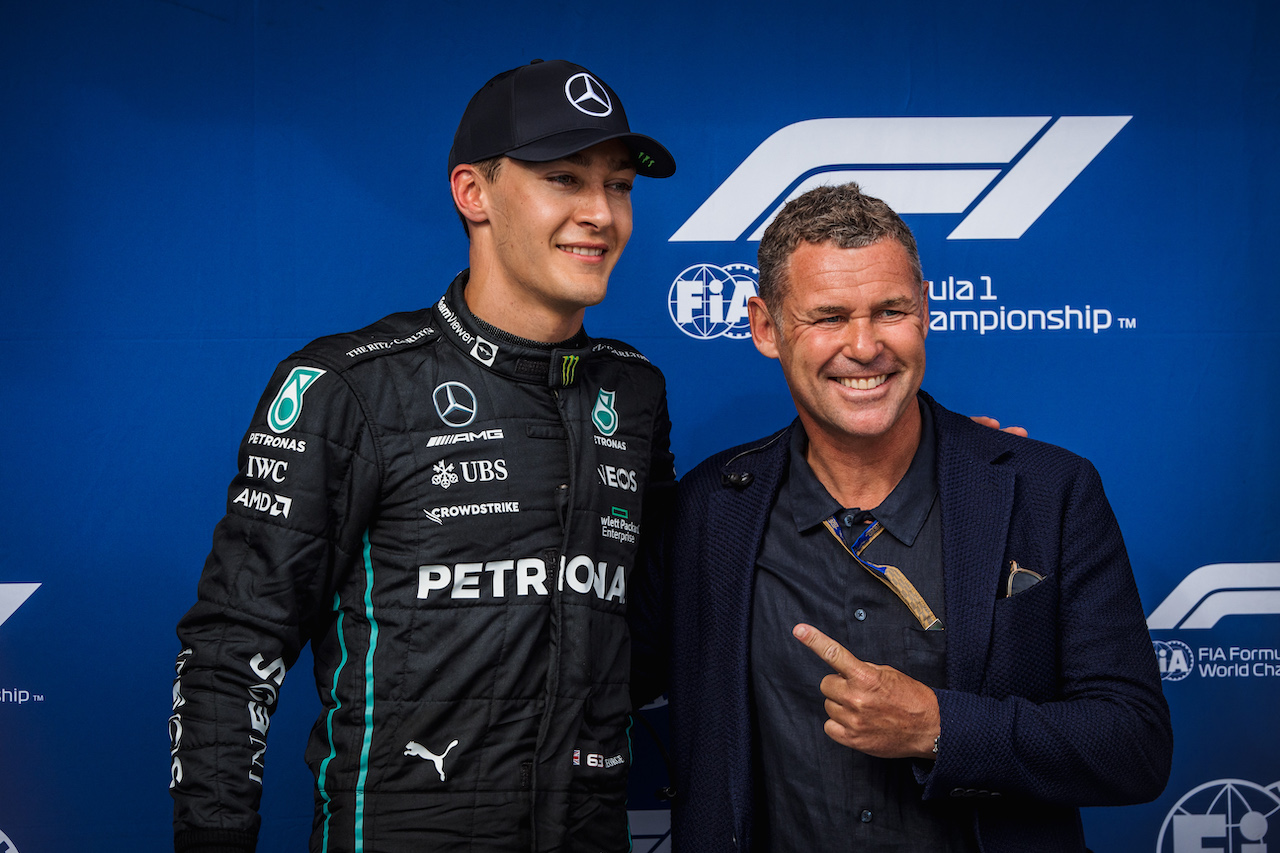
<point>651,159</point>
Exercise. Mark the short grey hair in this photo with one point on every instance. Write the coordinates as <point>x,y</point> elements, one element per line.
<point>841,215</point>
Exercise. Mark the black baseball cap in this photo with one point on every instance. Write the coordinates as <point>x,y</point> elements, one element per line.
<point>547,110</point>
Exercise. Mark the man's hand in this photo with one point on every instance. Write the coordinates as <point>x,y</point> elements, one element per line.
<point>995,424</point>
<point>873,709</point>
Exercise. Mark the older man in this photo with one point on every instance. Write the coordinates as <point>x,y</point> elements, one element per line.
<point>888,628</point>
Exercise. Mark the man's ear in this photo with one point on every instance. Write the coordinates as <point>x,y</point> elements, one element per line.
<point>764,331</point>
<point>470,194</point>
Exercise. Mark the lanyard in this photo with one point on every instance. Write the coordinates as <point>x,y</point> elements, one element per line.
<point>890,576</point>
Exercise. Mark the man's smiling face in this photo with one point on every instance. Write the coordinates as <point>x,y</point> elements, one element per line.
<point>849,336</point>
<point>559,227</point>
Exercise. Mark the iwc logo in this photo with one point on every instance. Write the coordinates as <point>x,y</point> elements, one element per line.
<point>588,95</point>
<point>708,301</point>
<point>603,415</point>
<point>287,405</point>
<point>1231,815</point>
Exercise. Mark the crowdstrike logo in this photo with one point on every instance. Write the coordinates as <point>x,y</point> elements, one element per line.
<point>12,596</point>
<point>1222,589</point>
<point>587,95</point>
<point>1231,815</point>
<point>1012,167</point>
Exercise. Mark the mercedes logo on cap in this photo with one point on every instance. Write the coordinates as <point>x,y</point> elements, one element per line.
<point>588,95</point>
<point>455,403</point>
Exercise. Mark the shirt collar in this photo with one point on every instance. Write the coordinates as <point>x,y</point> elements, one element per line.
<point>902,513</point>
<point>516,358</point>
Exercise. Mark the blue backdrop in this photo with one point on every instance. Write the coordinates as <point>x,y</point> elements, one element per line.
<point>192,190</point>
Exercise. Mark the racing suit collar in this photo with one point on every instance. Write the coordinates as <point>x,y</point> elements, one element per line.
<point>555,365</point>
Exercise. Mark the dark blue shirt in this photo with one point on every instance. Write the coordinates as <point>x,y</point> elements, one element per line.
<point>818,794</point>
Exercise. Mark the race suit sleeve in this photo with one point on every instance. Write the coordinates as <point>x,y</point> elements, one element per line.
<point>646,610</point>
<point>296,515</point>
<point>1071,711</point>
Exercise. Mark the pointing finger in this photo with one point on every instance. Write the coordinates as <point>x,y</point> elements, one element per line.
<point>836,655</point>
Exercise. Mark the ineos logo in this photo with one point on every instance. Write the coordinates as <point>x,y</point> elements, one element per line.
<point>588,95</point>
<point>455,404</point>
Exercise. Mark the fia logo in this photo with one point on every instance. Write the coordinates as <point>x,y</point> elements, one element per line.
<point>287,405</point>
<point>1233,811</point>
<point>1175,658</point>
<point>708,301</point>
<point>603,414</point>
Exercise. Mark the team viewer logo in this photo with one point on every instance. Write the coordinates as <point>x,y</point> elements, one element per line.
<point>708,301</point>
<point>603,415</point>
<point>287,405</point>
<point>1017,165</point>
<point>1231,815</point>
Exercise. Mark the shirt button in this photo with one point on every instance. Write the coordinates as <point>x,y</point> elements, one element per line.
<point>849,519</point>
<point>860,614</point>
<point>865,816</point>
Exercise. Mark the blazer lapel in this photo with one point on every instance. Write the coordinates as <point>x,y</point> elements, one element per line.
<point>977,500</point>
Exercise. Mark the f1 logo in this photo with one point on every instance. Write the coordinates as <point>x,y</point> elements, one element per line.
<point>1022,164</point>
<point>1221,589</point>
<point>12,596</point>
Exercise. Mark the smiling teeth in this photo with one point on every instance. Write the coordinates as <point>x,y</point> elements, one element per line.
<point>865,384</point>
<point>582,250</point>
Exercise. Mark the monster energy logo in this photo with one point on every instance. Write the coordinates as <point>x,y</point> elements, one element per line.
<point>287,405</point>
<point>603,415</point>
<point>567,369</point>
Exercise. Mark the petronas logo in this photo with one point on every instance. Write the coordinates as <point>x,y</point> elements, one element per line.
<point>603,415</point>
<point>287,405</point>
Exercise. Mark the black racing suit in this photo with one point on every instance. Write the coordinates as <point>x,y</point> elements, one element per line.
<point>450,516</point>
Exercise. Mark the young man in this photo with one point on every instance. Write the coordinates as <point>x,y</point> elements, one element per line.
<point>447,505</point>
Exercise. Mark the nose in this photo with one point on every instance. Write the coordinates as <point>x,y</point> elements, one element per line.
<point>862,342</point>
<point>594,208</point>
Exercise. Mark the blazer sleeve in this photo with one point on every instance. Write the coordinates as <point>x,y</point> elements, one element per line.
<point>1070,710</point>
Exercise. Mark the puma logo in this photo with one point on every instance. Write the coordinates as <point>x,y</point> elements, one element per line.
<point>415,748</point>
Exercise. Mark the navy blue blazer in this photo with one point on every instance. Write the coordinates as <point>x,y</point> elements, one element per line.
<point>1052,699</point>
